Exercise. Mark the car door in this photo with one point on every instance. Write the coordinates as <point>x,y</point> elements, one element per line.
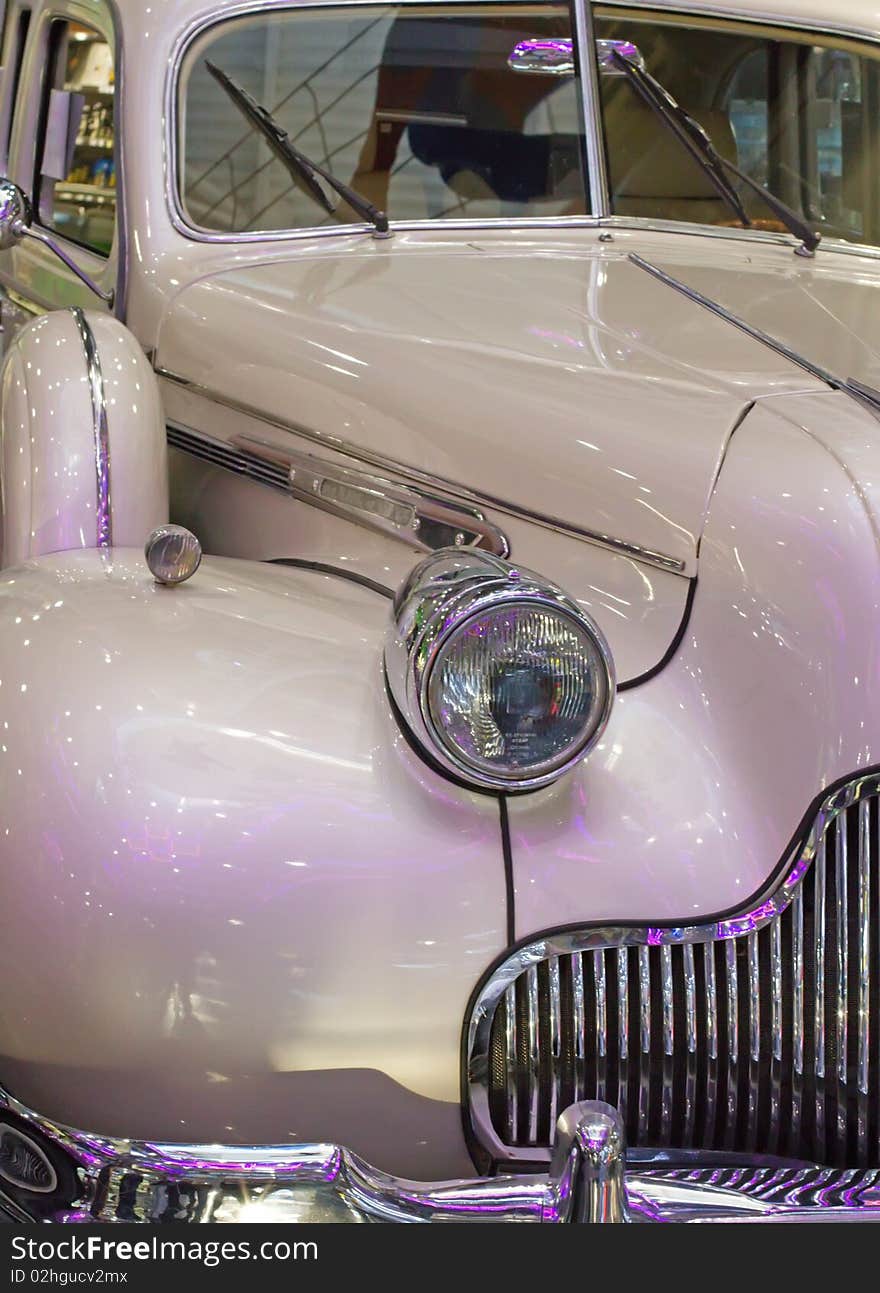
<point>63,152</point>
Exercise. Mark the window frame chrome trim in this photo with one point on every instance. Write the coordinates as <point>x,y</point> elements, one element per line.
<point>768,905</point>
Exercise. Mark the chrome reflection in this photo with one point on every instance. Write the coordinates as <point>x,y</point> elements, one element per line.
<point>750,1033</point>
<point>101,433</point>
<point>414,516</point>
<point>589,1181</point>
<point>500,677</point>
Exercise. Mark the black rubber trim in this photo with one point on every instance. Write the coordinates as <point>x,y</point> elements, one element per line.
<point>507,848</point>
<point>672,648</point>
<point>323,568</point>
<point>425,755</point>
<point>478,1152</point>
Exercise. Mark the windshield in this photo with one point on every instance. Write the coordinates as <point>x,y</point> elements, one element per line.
<point>799,114</point>
<point>415,108</point>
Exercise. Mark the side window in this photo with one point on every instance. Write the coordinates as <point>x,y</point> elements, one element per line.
<point>800,114</point>
<point>76,169</point>
<point>15,33</point>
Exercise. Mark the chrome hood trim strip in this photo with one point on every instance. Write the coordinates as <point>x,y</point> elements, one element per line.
<point>99,422</point>
<point>412,475</point>
<point>858,392</point>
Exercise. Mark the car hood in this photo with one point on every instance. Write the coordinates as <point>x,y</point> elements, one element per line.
<point>559,379</point>
<point>825,309</point>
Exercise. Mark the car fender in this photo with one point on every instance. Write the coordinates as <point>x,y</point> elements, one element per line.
<point>236,905</point>
<point>84,457</point>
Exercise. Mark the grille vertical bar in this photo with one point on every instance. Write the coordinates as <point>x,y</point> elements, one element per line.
<point>754,999</point>
<point>623,1031</point>
<point>842,942</point>
<point>863,1057</point>
<point>690,1011</point>
<point>797,1022</point>
<point>731,978</point>
<point>711,1017</point>
<point>511,1065</point>
<point>668,1042</point>
<point>776,1033</point>
<point>532,1071</point>
<point>644,1040</point>
<point>819,1006</point>
<point>601,1024</point>
<point>554,1010</point>
<point>579,1028</point>
<point>760,1033</point>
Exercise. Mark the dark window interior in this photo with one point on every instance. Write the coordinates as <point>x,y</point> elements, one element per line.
<point>76,164</point>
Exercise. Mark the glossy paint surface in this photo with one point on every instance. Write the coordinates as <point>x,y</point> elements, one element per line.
<point>231,891</point>
<point>50,451</point>
<point>638,607</point>
<point>221,862</point>
<point>827,312</point>
<point>630,412</point>
<point>705,772</point>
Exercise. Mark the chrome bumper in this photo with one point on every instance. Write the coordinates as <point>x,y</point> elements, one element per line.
<point>589,1180</point>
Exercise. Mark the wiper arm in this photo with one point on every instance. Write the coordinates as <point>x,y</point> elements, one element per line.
<point>300,168</point>
<point>696,140</point>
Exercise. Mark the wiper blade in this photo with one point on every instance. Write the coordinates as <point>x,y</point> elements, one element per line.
<point>300,167</point>
<point>696,140</point>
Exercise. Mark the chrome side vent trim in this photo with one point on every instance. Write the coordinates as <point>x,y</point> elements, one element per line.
<point>754,1034</point>
<point>404,512</point>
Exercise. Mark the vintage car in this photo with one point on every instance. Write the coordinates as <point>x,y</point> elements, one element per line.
<point>486,827</point>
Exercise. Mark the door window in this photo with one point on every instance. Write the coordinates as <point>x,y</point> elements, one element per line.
<point>76,179</point>
<point>15,33</point>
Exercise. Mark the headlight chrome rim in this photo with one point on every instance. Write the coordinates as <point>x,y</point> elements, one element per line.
<point>440,598</point>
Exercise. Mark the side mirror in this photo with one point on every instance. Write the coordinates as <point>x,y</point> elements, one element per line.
<point>555,56</point>
<point>16,217</point>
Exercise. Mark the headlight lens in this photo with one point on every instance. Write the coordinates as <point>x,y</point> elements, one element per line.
<point>500,675</point>
<point>517,689</point>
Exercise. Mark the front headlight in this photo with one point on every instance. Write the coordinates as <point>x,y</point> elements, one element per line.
<point>499,675</point>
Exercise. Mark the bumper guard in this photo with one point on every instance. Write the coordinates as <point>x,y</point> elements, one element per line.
<point>589,1180</point>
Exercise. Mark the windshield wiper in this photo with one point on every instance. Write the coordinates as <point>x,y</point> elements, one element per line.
<point>696,140</point>
<point>301,169</point>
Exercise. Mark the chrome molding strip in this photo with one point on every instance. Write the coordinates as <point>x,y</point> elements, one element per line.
<point>809,861</point>
<point>402,512</point>
<point>101,433</point>
<point>590,97</point>
<point>416,479</point>
<point>588,1181</point>
<point>780,347</point>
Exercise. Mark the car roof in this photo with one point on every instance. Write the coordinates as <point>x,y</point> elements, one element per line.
<point>859,17</point>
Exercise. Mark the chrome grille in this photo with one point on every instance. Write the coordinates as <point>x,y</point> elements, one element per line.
<point>759,1033</point>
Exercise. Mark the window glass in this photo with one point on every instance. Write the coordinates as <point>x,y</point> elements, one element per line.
<point>76,182</point>
<point>415,107</point>
<point>800,114</point>
<point>14,40</point>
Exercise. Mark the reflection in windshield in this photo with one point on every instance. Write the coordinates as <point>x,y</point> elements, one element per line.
<point>416,109</point>
<point>793,114</point>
